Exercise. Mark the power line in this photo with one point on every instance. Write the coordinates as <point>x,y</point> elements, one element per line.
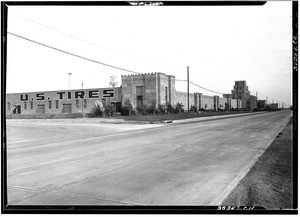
<point>95,61</point>
<point>48,27</point>
<point>206,88</point>
<point>180,80</point>
<point>72,54</point>
<point>85,41</point>
<point>200,86</point>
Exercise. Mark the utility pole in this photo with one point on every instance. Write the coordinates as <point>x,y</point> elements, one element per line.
<point>70,81</point>
<point>188,91</point>
<point>256,99</point>
<point>82,97</point>
<point>132,90</point>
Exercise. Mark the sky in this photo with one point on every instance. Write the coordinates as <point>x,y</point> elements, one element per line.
<point>219,44</point>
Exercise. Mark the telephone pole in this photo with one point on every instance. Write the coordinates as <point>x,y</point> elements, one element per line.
<point>188,91</point>
<point>70,74</point>
<point>82,97</point>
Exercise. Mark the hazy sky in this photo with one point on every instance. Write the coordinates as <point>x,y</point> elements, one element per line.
<point>219,44</point>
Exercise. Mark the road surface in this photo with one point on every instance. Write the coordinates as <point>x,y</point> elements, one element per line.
<point>198,163</point>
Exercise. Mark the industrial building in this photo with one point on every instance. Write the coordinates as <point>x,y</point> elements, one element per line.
<point>261,104</point>
<point>140,89</point>
<point>273,106</point>
<point>241,91</point>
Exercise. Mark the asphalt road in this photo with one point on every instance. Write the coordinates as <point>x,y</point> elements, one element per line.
<point>197,163</point>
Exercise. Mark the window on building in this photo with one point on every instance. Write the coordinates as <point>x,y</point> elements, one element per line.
<point>104,101</point>
<point>84,103</point>
<point>139,96</point>
<point>77,103</point>
<point>25,105</point>
<point>50,104</point>
<point>166,94</point>
<point>31,104</point>
<point>56,104</point>
<point>8,105</point>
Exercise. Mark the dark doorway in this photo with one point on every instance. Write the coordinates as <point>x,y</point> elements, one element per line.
<point>118,106</point>
<point>139,101</point>
<point>139,96</point>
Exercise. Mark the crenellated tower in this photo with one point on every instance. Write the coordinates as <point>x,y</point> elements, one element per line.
<point>144,89</point>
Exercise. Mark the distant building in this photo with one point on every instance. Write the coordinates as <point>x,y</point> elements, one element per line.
<point>240,91</point>
<point>252,102</point>
<point>227,95</point>
<point>273,106</point>
<point>261,104</point>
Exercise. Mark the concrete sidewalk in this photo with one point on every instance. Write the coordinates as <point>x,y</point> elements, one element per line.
<point>190,120</point>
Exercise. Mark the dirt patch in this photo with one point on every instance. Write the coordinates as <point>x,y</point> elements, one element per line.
<point>269,183</point>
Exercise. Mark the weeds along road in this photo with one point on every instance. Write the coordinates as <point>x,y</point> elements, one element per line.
<point>199,163</point>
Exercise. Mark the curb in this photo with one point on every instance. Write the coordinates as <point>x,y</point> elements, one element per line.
<point>122,121</point>
<point>214,117</point>
<point>188,120</point>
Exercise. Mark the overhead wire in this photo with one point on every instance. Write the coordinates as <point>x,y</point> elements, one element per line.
<point>98,62</point>
<point>205,88</point>
<point>85,41</point>
<point>72,54</point>
<point>180,80</point>
<point>48,27</point>
<point>200,86</point>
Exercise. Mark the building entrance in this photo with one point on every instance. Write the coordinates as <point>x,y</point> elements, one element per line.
<point>139,96</point>
<point>139,101</point>
<point>118,106</point>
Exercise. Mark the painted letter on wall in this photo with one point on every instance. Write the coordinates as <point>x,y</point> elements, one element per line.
<point>24,99</point>
<point>108,93</point>
<point>79,94</point>
<point>40,96</point>
<point>93,94</point>
<point>61,94</point>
